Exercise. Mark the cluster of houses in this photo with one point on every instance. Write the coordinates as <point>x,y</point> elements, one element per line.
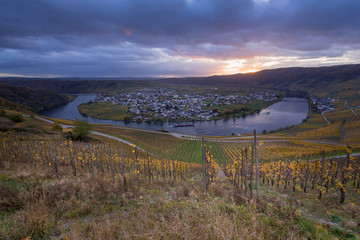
<point>322,104</point>
<point>170,105</point>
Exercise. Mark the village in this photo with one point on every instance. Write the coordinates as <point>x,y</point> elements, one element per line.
<point>322,104</point>
<point>169,105</point>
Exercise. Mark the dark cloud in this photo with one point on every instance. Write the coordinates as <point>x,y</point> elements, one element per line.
<point>142,37</point>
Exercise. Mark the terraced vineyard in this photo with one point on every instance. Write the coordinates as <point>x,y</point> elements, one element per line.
<point>98,157</point>
<point>225,150</point>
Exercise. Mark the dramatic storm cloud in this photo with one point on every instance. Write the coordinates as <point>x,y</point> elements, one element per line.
<point>174,37</point>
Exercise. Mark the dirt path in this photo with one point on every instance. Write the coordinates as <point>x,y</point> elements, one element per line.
<point>350,108</point>
<point>325,118</point>
<point>92,132</point>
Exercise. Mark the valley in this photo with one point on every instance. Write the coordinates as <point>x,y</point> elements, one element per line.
<point>306,182</point>
<point>180,120</point>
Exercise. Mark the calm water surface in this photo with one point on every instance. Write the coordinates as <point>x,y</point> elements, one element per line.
<point>287,112</point>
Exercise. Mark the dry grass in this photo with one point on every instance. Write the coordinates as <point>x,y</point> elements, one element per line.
<point>183,213</point>
<point>66,207</point>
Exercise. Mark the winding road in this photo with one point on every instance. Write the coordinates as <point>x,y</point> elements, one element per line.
<point>326,120</point>
<point>92,132</point>
<point>350,108</point>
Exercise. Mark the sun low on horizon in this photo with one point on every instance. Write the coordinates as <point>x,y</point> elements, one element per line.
<point>138,38</point>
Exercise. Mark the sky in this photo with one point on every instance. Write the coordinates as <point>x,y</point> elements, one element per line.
<point>174,38</point>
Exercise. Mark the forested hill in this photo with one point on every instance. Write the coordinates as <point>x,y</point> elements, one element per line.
<point>300,78</point>
<point>75,85</point>
<point>23,98</point>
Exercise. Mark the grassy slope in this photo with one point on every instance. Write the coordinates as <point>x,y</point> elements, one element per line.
<point>65,207</point>
<point>101,208</point>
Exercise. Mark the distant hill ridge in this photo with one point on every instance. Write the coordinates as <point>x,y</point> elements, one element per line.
<point>280,77</point>
<point>303,78</point>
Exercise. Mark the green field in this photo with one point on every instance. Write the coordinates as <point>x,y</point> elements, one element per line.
<point>239,110</point>
<point>105,111</point>
<point>157,143</point>
<point>223,151</point>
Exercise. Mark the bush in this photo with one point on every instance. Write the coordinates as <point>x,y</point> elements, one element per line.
<point>16,118</point>
<point>57,127</point>
<point>69,136</point>
<point>82,129</point>
<point>127,119</point>
<point>29,123</point>
<point>163,130</point>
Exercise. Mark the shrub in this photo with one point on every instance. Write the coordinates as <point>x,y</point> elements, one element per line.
<point>29,123</point>
<point>82,129</point>
<point>69,136</point>
<point>57,127</point>
<point>127,119</point>
<point>16,118</point>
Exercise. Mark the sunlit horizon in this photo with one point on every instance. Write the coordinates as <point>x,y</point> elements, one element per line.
<point>183,39</point>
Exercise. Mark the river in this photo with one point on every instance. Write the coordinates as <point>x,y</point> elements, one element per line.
<point>287,112</point>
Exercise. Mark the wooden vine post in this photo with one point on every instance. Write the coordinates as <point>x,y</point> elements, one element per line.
<point>256,166</point>
<point>122,165</point>
<point>111,163</point>
<point>1,161</point>
<point>148,165</point>
<point>204,165</point>
<point>91,161</point>
<point>52,159</point>
<point>251,171</point>
<point>344,176</point>
<point>245,169</point>
<point>72,162</point>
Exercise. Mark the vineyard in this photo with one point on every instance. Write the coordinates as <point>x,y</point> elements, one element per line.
<point>271,150</point>
<point>293,168</point>
<point>95,158</point>
<point>322,176</point>
<point>190,150</point>
<point>352,132</point>
<point>284,163</point>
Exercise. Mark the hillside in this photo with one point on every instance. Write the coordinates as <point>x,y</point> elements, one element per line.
<point>28,99</point>
<point>75,85</point>
<point>52,188</point>
<point>304,78</point>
